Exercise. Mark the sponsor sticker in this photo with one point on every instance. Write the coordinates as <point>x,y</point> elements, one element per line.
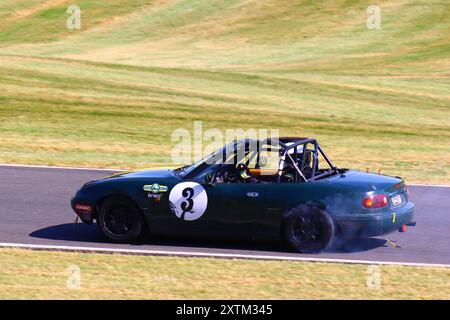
<point>155,188</point>
<point>252,194</point>
<point>156,197</point>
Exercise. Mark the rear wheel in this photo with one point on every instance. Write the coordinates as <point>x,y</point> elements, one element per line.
<point>308,229</point>
<point>120,220</point>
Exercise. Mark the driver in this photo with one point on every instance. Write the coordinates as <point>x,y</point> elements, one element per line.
<point>245,174</point>
<point>232,174</point>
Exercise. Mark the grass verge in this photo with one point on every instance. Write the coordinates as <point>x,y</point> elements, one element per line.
<point>44,275</point>
<point>111,94</point>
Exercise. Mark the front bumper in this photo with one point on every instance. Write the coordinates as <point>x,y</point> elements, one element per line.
<point>376,224</point>
<point>83,209</point>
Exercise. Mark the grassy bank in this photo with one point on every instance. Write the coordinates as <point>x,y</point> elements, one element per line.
<point>44,275</point>
<point>112,93</point>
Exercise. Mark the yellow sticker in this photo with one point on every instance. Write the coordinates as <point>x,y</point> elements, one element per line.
<point>393,217</point>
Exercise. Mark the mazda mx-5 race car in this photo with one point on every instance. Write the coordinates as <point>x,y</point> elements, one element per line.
<point>261,189</point>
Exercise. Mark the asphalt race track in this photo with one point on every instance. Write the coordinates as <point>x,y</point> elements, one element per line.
<point>34,209</point>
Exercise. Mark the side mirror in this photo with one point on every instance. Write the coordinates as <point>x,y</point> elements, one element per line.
<point>209,179</point>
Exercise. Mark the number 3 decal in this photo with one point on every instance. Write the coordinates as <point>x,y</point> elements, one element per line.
<point>188,200</point>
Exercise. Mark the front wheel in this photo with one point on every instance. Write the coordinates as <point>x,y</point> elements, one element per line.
<point>119,220</point>
<point>308,229</point>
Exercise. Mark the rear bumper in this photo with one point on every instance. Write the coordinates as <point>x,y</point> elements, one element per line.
<point>376,224</point>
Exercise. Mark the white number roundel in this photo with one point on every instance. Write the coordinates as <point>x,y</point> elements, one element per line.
<point>188,200</point>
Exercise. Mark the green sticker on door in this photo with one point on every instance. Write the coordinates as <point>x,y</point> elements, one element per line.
<point>155,188</point>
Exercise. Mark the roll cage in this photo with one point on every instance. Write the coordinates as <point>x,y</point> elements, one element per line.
<point>292,153</point>
<point>288,144</point>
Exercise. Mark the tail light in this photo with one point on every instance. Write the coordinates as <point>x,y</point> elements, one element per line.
<point>375,201</point>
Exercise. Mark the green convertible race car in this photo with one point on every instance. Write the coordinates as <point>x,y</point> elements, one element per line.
<point>283,188</point>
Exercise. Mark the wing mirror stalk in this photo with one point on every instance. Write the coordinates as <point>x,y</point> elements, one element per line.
<point>209,180</point>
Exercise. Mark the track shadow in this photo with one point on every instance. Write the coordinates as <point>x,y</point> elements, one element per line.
<point>357,245</point>
<point>81,232</point>
<point>70,232</point>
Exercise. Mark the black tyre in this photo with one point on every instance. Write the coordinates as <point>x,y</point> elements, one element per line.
<point>308,229</point>
<point>120,220</point>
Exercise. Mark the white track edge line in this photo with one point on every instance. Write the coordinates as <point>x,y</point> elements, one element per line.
<point>124,170</point>
<point>57,167</point>
<point>428,185</point>
<point>198,254</point>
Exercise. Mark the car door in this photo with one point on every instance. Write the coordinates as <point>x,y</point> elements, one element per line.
<point>238,211</point>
